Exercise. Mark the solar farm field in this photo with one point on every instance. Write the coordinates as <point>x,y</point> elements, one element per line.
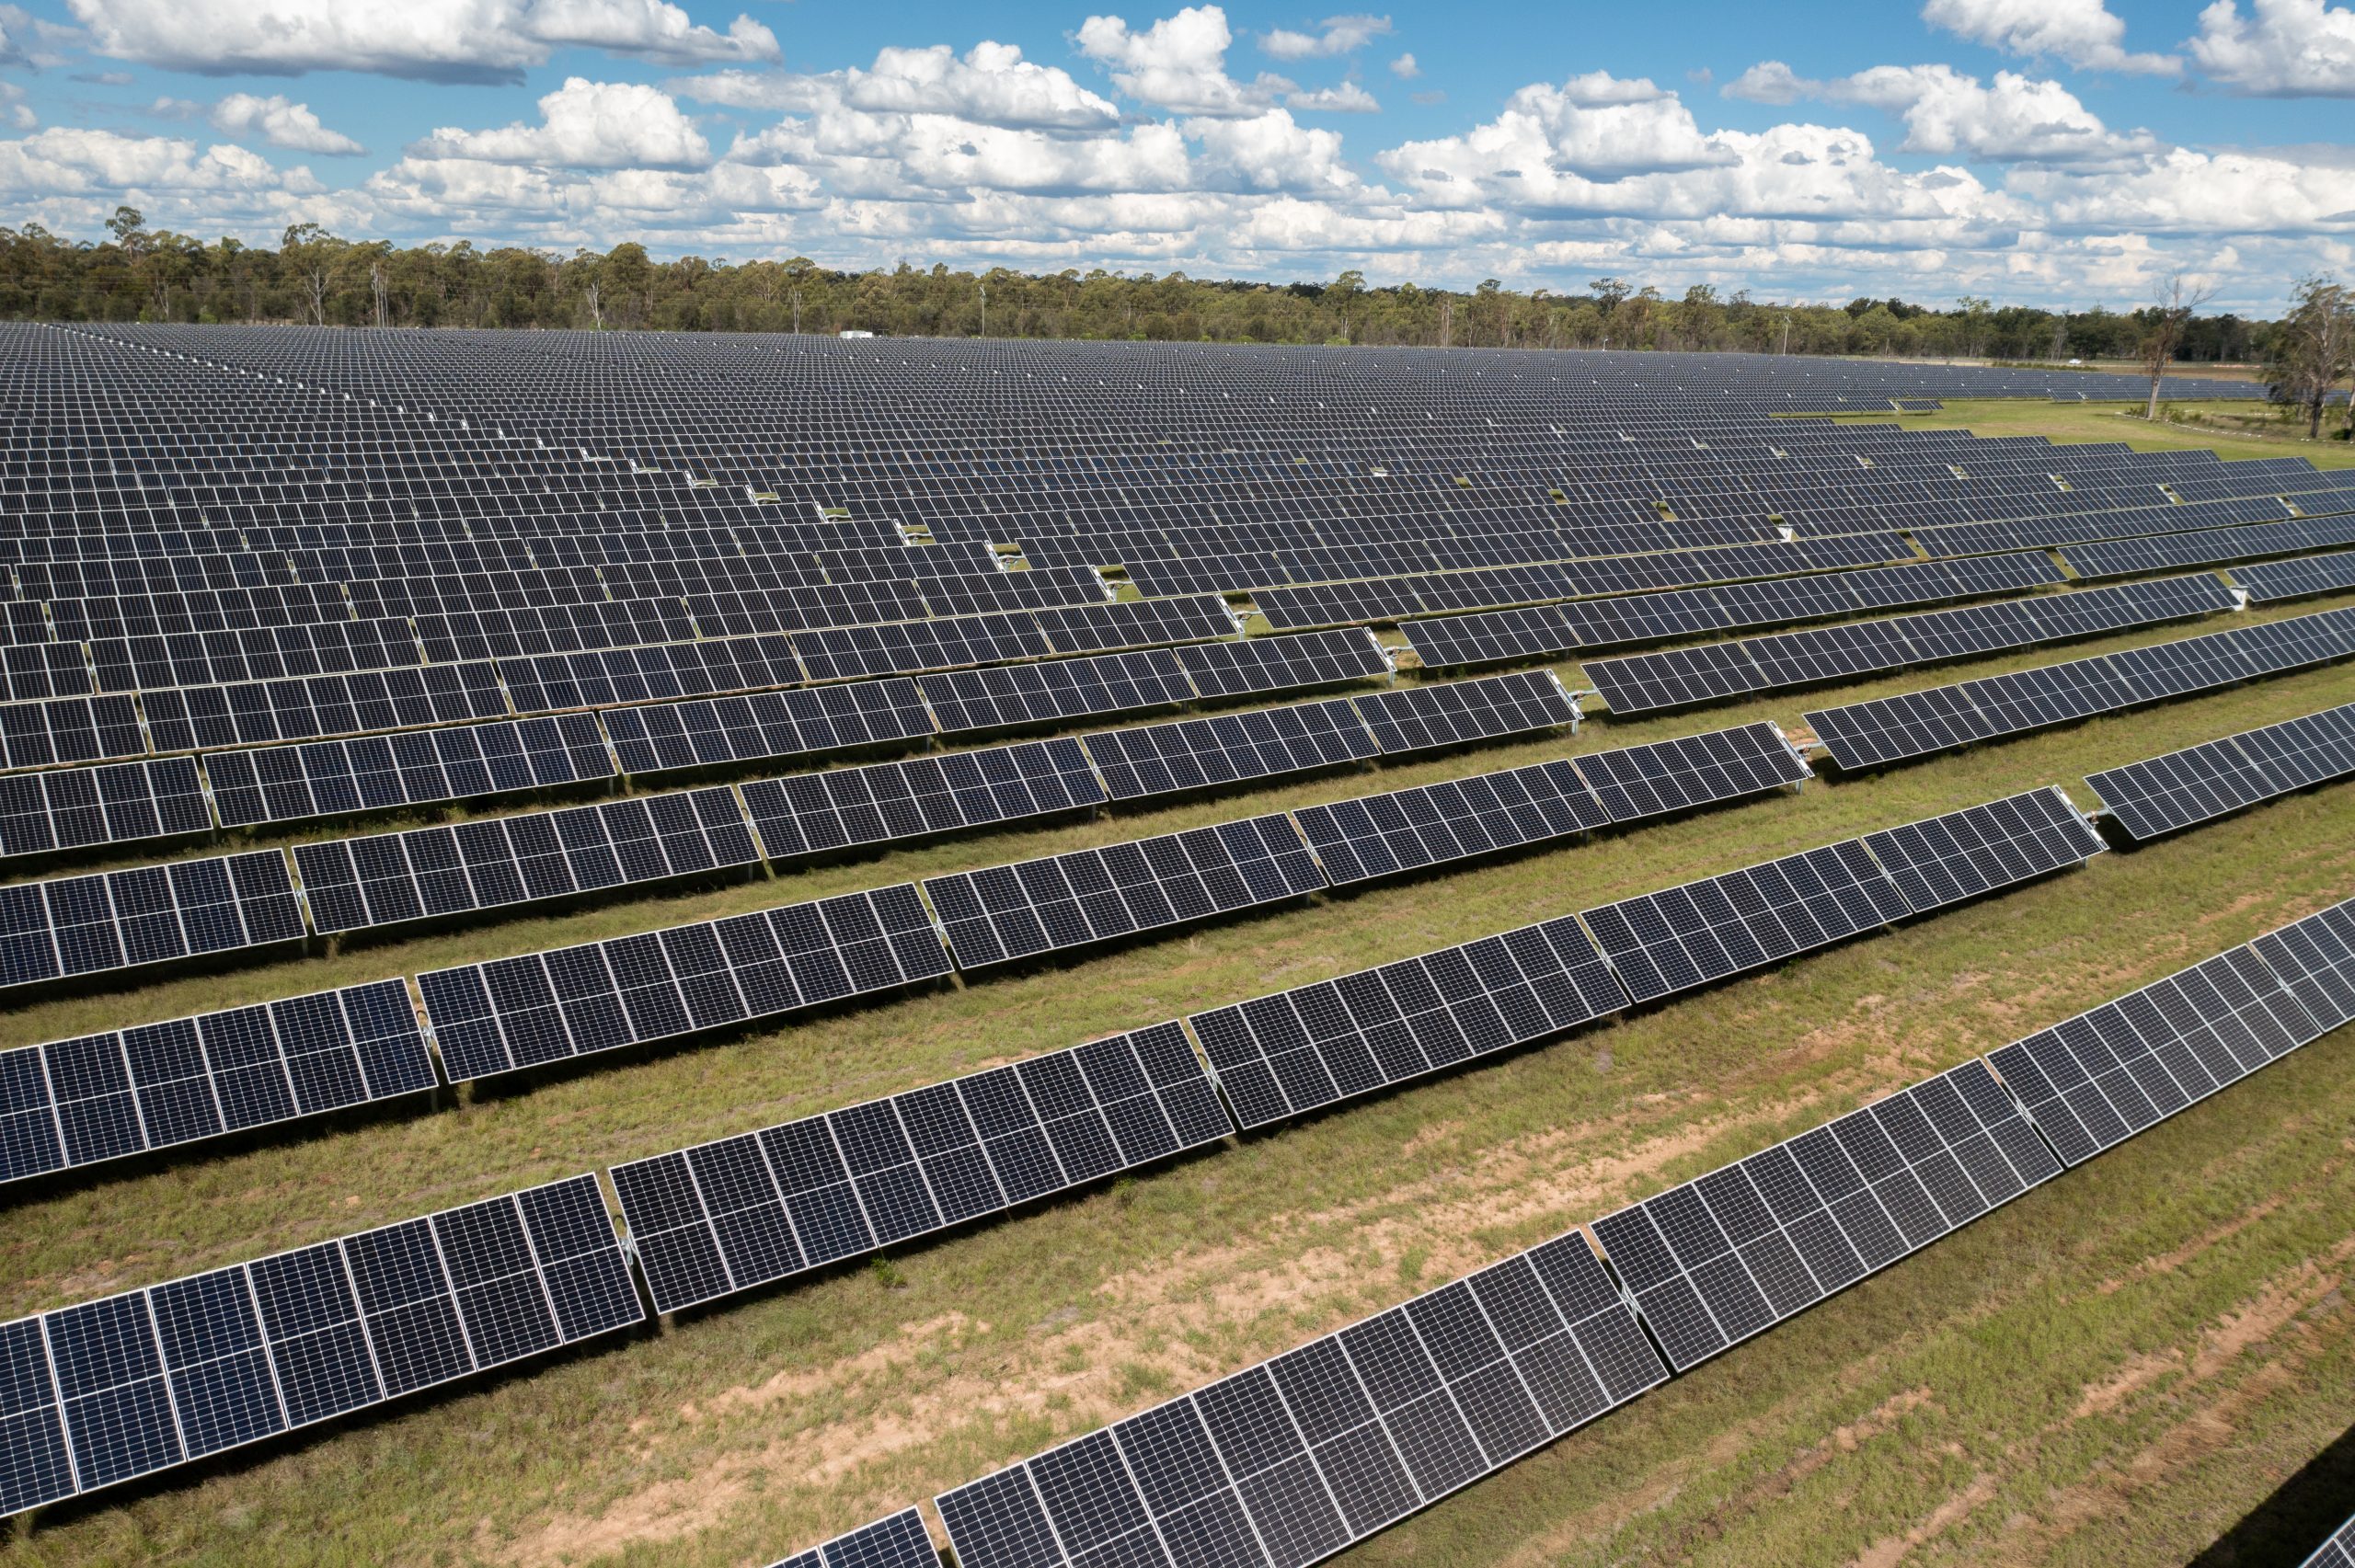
<point>673,950</point>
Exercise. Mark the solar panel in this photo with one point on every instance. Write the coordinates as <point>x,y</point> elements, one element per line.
<point>2338,1551</point>
<point>81,1102</point>
<point>267,713</point>
<point>1380,834</point>
<point>510,1013</point>
<point>1196,754</point>
<point>1720,1258</point>
<point>1451,713</point>
<point>1658,944</point>
<point>1099,628</point>
<point>331,778</point>
<point>742,1211</point>
<point>1887,729</point>
<point>2201,783</point>
<point>1294,1052</point>
<point>133,1383</point>
<point>1043,693</point>
<point>1643,683</point>
<point>2173,552</point>
<point>767,726</point>
<point>897,1541</point>
<point>1290,1460</point>
<point>2314,960</point>
<point>120,802</point>
<point>1282,664</point>
<point>884,801</point>
<point>2277,581</point>
<point>115,920</point>
<point>1006,913</point>
<point>494,862</point>
<point>72,729</point>
<point>2096,1079</point>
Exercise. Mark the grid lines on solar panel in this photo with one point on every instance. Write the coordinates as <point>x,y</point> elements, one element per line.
<point>1915,724</point>
<point>1720,1258</point>
<point>133,1383</point>
<point>331,778</point>
<point>1641,683</point>
<point>1450,713</point>
<point>1381,834</point>
<point>1222,749</point>
<point>1289,1461</point>
<point>490,863</point>
<point>265,713</point>
<point>69,926</point>
<point>1294,1051</point>
<point>510,1013</point>
<point>2095,1080</point>
<point>743,1211</point>
<point>2338,1551</point>
<point>79,1101</point>
<point>118,803</point>
<point>1006,912</point>
<point>1658,944</point>
<point>66,730</point>
<point>767,726</point>
<point>2275,581</point>
<point>2199,783</point>
<point>805,814</point>
<point>897,1541</point>
<point>2220,547</point>
<point>1014,695</point>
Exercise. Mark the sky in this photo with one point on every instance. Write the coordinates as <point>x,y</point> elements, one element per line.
<point>2059,152</point>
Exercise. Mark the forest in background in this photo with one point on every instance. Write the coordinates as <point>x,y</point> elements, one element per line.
<point>142,274</point>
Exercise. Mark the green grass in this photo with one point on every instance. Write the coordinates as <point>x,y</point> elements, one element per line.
<point>756,1428</point>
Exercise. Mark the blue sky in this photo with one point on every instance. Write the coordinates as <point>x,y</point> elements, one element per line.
<point>2062,152</point>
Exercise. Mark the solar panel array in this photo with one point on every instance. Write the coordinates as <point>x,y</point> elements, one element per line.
<point>1710,671</point>
<point>100,1097</point>
<point>72,926</point>
<point>2173,552</point>
<point>2273,582</point>
<point>126,1385</point>
<point>1916,724</point>
<point>2107,1074</point>
<point>743,1211</point>
<point>1726,1255</point>
<point>1290,1460</point>
<point>897,1541</point>
<point>2161,795</point>
<point>506,1014</point>
<point>1548,630</point>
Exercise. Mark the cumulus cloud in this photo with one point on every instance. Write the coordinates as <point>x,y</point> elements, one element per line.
<point>991,85</point>
<point>1594,128</point>
<point>1178,64</point>
<point>2283,48</point>
<point>280,123</point>
<point>429,40</point>
<point>2081,32</point>
<point>1335,34</point>
<point>1404,68</point>
<point>1349,97</point>
<point>2015,120</point>
<point>585,125</point>
<point>14,109</point>
<point>65,161</point>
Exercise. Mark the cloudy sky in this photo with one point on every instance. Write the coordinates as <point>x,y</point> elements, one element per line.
<point>2064,152</point>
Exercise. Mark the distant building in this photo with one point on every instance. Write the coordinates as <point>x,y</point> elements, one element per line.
<point>853,332</point>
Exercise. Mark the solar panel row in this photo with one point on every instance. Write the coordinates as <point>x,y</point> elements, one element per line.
<point>2199,783</point>
<point>2272,582</point>
<point>2173,552</point>
<point>1546,630</point>
<point>1915,724</point>
<point>1645,682</point>
<point>726,1215</point>
<point>70,926</point>
<point>131,1384</point>
<point>1289,1461</point>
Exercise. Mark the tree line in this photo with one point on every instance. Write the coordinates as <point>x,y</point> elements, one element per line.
<point>142,274</point>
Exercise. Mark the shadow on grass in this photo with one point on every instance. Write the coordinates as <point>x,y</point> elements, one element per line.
<point>2285,1528</point>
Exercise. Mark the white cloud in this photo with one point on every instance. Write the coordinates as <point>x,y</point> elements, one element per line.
<point>65,161</point>
<point>2285,49</point>
<point>27,39</point>
<point>431,39</point>
<point>1338,35</point>
<point>2081,32</point>
<point>1945,113</point>
<point>1178,64</point>
<point>1592,128</point>
<point>14,108</point>
<point>1348,98</point>
<point>992,84</point>
<point>1404,68</point>
<point>588,125</point>
<point>280,123</point>
<point>2194,193</point>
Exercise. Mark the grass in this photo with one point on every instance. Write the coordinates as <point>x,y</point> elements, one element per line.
<point>2112,1370</point>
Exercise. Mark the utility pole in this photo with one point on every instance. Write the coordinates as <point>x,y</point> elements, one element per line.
<point>986,307</point>
<point>797,312</point>
<point>1786,333</point>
